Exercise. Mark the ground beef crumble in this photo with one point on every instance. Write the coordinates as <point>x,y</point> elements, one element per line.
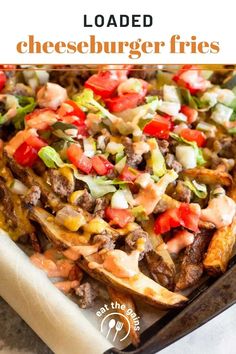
<point>33,195</point>
<point>86,295</point>
<point>131,241</point>
<point>60,184</point>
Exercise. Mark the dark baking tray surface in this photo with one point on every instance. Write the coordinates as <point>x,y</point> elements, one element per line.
<point>207,301</point>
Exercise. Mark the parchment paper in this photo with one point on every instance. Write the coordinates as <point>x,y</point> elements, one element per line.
<point>56,319</point>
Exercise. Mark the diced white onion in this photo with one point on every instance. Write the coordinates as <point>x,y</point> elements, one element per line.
<point>143,180</point>
<point>114,148</point>
<point>186,155</point>
<point>119,201</point>
<point>221,114</point>
<point>171,94</point>
<point>171,108</point>
<point>18,187</point>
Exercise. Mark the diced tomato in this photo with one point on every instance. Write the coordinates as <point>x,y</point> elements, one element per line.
<point>186,215</point>
<point>129,174</point>
<point>101,165</point>
<point>82,129</point>
<point>167,220</point>
<point>194,135</point>
<point>190,113</point>
<point>26,155</point>
<point>159,127</point>
<point>102,84</point>
<point>70,108</point>
<point>41,119</point>
<point>77,158</point>
<point>189,76</point>
<point>35,142</point>
<point>119,217</point>
<point>3,80</point>
<point>189,216</point>
<point>123,102</point>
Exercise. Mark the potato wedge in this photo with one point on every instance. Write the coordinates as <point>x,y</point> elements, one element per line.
<point>59,235</point>
<point>125,299</point>
<point>191,268</point>
<point>141,286</point>
<point>206,176</point>
<point>27,176</point>
<point>16,218</point>
<point>220,249</point>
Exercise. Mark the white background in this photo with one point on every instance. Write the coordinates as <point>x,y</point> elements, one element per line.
<point>63,21</point>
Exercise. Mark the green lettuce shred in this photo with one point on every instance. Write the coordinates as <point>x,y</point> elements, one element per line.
<point>50,157</point>
<point>157,159</point>
<point>200,190</point>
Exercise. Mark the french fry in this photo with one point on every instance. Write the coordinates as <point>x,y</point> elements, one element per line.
<point>191,268</point>
<point>206,176</point>
<point>220,249</point>
<point>60,236</point>
<point>127,301</point>
<point>159,261</point>
<point>140,285</point>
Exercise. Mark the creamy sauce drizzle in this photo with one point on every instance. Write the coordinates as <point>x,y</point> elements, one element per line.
<point>220,211</point>
<point>119,263</point>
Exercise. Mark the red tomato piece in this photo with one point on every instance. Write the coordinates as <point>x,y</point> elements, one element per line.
<point>102,84</point>
<point>82,129</point>
<point>70,108</point>
<point>194,135</point>
<point>167,220</point>
<point>35,142</point>
<point>123,102</point>
<point>101,165</point>
<point>129,174</point>
<point>77,158</point>
<point>189,76</point>
<point>186,215</point>
<point>159,127</point>
<point>26,155</point>
<point>3,80</point>
<point>189,215</point>
<point>119,217</point>
<point>190,113</point>
<point>41,119</point>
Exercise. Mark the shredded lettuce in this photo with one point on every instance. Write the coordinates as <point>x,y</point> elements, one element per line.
<point>157,159</point>
<point>188,99</point>
<point>87,102</point>
<point>22,106</point>
<point>50,157</point>
<point>120,164</point>
<point>61,129</point>
<point>200,190</point>
<point>198,151</point>
<point>97,186</point>
<point>26,105</point>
